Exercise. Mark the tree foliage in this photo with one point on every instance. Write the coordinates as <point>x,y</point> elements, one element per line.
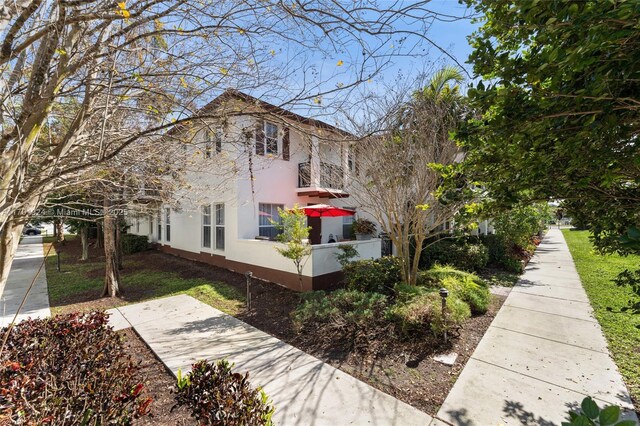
<point>295,236</point>
<point>80,81</point>
<point>559,107</point>
<point>408,177</point>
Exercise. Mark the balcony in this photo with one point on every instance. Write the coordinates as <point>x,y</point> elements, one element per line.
<point>329,183</point>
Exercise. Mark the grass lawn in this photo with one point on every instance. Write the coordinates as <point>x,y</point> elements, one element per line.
<point>145,276</point>
<point>620,328</point>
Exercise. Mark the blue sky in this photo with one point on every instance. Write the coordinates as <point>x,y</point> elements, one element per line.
<point>402,70</point>
<point>452,36</point>
<point>315,79</point>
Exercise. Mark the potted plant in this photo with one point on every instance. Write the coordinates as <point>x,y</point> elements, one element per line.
<point>363,228</point>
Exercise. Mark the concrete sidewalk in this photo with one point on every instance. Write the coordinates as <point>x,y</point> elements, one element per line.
<point>305,390</point>
<point>541,355</point>
<point>28,259</point>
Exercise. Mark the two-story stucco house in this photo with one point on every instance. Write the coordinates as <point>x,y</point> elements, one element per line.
<point>253,157</point>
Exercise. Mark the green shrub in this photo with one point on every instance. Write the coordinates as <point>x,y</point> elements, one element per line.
<point>512,264</point>
<point>342,307</point>
<point>404,292</point>
<point>522,222</point>
<point>592,415</point>
<point>69,369</point>
<point>412,313</point>
<point>503,254</point>
<point>132,243</point>
<point>475,295</point>
<point>464,285</point>
<point>217,396</point>
<point>461,253</point>
<point>497,248</point>
<point>434,276</point>
<point>346,254</point>
<point>374,276</point>
<point>424,311</point>
<point>457,313</point>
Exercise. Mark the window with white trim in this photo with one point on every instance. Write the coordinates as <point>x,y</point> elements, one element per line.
<point>167,223</point>
<point>268,213</point>
<point>206,226</point>
<point>271,138</point>
<point>213,141</point>
<point>159,226</point>
<point>219,226</point>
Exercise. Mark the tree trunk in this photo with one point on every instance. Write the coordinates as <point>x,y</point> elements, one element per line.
<point>84,239</point>
<point>99,235</point>
<point>9,239</point>
<point>112,274</point>
<point>119,242</point>
<point>59,230</point>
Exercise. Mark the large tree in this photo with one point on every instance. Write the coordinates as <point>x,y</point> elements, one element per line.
<point>154,62</point>
<point>559,108</point>
<point>406,173</point>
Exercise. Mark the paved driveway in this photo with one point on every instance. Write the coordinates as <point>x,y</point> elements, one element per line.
<point>28,259</point>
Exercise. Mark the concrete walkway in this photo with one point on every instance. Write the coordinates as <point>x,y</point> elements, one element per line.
<point>305,390</point>
<point>543,352</point>
<point>28,259</point>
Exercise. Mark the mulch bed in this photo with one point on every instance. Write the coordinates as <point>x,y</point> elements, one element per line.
<point>158,383</point>
<point>403,369</point>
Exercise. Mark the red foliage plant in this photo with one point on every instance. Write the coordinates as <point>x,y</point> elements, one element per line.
<point>69,370</point>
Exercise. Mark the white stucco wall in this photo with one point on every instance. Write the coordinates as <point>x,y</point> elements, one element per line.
<point>274,181</point>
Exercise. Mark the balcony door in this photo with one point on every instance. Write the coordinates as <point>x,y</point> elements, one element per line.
<point>315,234</point>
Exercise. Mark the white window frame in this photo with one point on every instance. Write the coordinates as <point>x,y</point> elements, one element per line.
<point>219,216</point>
<point>347,221</point>
<point>159,225</point>
<point>212,142</point>
<point>263,218</point>
<point>272,140</point>
<point>167,224</point>
<point>205,213</point>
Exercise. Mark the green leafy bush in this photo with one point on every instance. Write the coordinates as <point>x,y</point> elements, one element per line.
<point>342,307</point>
<point>469,291</point>
<point>404,292</point>
<point>591,414</point>
<point>69,369</point>
<point>464,285</point>
<point>501,253</point>
<point>375,276</point>
<point>461,253</point>
<point>132,243</point>
<point>522,222</point>
<point>217,396</point>
<point>512,264</point>
<point>346,254</point>
<point>457,313</point>
<point>424,311</point>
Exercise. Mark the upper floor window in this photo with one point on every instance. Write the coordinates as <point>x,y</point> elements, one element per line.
<point>266,138</point>
<point>271,138</point>
<point>213,142</point>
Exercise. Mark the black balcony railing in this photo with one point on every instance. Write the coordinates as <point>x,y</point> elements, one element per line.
<point>331,176</point>
<point>304,175</point>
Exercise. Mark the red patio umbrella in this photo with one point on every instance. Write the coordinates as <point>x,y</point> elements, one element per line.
<point>325,210</point>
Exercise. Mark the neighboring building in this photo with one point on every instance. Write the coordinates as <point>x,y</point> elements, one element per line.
<point>255,157</point>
